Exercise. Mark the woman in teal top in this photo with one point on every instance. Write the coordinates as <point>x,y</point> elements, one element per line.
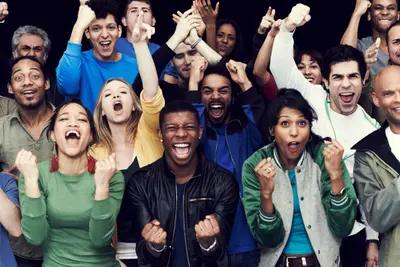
<point>298,196</point>
<point>70,203</point>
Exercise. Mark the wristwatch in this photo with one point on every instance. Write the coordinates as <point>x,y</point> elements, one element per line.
<point>340,194</point>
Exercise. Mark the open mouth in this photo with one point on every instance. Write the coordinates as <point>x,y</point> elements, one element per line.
<point>117,106</point>
<point>293,147</point>
<point>223,48</point>
<point>216,109</point>
<point>310,79</point>
<point>347,97</point>
<point>105,44</point>
<point>72,136</point>
<point>29,92</point>
<point>182,150</point>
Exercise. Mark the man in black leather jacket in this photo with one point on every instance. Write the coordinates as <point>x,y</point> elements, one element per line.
<point>183,204</point>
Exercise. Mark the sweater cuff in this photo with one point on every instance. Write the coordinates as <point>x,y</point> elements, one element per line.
<point>153,106</point>
<point>74,49</point>
<point>370,233</point>
<point>265,217</point>
<point>338,203</point>
<point>33,207</point>
<point>102,209</point>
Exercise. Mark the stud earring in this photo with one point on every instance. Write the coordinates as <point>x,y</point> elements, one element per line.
<point>161,140</point>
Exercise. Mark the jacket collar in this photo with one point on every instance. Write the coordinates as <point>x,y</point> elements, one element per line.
<point>378,143</point>
<point>277,160</point>
<point>171,175</point>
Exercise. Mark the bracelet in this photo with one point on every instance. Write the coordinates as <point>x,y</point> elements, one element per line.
<point>210,247</point>
<point>192,46</point>
<point>157,250</point>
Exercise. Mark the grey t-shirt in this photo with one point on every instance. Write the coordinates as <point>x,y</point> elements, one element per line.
<point>383,59</point>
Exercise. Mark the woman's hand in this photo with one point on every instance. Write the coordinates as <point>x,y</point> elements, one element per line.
<point>27,166</point>
<point>105,170</point>
<point>265,172</point>
<point>333,154</point>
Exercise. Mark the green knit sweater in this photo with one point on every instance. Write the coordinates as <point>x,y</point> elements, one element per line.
<point>74,229</point>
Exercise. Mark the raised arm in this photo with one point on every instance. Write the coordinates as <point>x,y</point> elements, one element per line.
<point>9,212</point>
<point>209,16</point>
<point>350,36</point>
<point>69,68</point>
<point>283,67</point>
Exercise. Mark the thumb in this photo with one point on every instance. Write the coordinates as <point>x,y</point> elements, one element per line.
<point>378,42</point>
<point>307,18</point>
<point>155,222</point>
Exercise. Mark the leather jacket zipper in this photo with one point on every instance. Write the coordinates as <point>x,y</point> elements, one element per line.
<point>176,209</point>
<point>184,224</point>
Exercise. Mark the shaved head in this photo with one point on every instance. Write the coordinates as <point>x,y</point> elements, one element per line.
<point>387,93</point>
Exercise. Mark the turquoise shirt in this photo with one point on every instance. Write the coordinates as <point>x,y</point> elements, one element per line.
<point>298,242</point>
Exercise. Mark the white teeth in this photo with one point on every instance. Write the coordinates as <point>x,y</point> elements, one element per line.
<point>216,106</point>
<point>346,94</point>
<point>181,145</point>
<point>105,42</point>
<point>72,132</point>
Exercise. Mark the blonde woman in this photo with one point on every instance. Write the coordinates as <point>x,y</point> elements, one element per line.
<point>128,127</point>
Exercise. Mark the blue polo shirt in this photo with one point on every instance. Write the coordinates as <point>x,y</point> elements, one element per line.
<point>10,188</point>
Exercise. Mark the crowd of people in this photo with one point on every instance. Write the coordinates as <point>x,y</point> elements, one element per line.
<point>189,154</point>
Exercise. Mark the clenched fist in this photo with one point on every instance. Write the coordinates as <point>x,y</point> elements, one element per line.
<point>237,70</point>
<point>3,10</point>
<point>333,154</point>
<point>104,171</point>
<point>299,16</point>
<point>85,16</point>
<point>198,66</point>
<point>265,172</point>
<point>371,54</point>
<point>154,234</point>
<point>207,231</point>
<point>27,166</point>
<point>361,7</point>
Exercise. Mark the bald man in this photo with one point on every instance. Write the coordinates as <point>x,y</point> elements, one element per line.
<point>377,168</point>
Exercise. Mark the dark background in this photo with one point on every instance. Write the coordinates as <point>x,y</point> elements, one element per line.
<point>57,17</point>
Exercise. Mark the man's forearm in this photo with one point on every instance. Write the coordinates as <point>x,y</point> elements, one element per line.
<point>208,53</point>
<point>77,34</point>
<point>262,60</point>
<point>9,215</point>
<point>350,36</point>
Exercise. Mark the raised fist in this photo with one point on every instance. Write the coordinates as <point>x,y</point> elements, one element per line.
<point>299,16</point>
<point>85,16</point>
<point>267,21</point>
<point>237,72</point>
<point>27,165</point>
<point>333,154</point>
<point>154,234</point>
<point>361,7</point>
<point>142,31</point>
<point>105,170</point>
<point>198,66</point>
<point>276,27</point>
<point>207,231</point>
<point>3,10</point>
<point>265,172</point>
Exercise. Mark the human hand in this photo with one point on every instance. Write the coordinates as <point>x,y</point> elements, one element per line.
<point>154,234</point>
<point>185,23</point>
<point>371,54</point>
<point>372,255</point>
<point>299,16</point>
<point>3,10</point>
<point>276,27</point>
<point>208,14</point>
<point>142,31</point>
<point>207,230</point>
<point>333,154</point>
<point>237,70</point>
<point>27,166</point>
<point>267,21</point>
<point>361,7</point>
<point>265,172</point>
<point>104,171</point>
<point>197,68</point>
<point>85,15</point>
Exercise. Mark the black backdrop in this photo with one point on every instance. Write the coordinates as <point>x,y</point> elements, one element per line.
<point>57,17</point>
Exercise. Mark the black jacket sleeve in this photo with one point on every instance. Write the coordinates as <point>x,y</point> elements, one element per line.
<point>161,57</point>
<point>253,105</point>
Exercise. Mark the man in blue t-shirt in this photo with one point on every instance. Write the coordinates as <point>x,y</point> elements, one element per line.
<point>131,12</point>
<point>82,74</point>
<point>10,222</point>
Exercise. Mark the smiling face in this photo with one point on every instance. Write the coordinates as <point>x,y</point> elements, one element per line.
<point>387,93</point>
<point>72,131</point>
<point>291,133</point>
<point>345,85</point>
<point>117,102</point>
<point>394,44</point>
<point>184,56</point>
<point>216,95</point>
<point>180,133</point>
<point>28,84</point>
<point>383,13</point>
<point>226,39</point>
<point>310,69</point>
<point>103,34</point>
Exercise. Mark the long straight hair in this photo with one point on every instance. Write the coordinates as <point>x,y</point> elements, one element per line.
<point>104,135</point>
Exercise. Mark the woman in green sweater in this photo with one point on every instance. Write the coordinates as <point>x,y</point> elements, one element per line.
<point>70,203</point>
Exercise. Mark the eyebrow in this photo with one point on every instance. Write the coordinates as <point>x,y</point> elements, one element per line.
<point>18,70</point>
<point>37,46</point>
<point>67,113</point>
<point>219,88</point>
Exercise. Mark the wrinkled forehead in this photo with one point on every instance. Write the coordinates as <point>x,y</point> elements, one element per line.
<point>26,65</point>
<point>384,3</point>
<point>31,40</point>
<point>180,118</point>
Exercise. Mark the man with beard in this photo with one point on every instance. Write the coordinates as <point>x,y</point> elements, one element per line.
<point>184,203</point>
<point>377,168</point>
<point>382,14</point>
<point>230,120</point>
<point>82,74</point>
<point>339,115</point>
<point>26,128</point>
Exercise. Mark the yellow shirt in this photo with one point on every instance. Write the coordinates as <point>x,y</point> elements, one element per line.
<point>148,147</point>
